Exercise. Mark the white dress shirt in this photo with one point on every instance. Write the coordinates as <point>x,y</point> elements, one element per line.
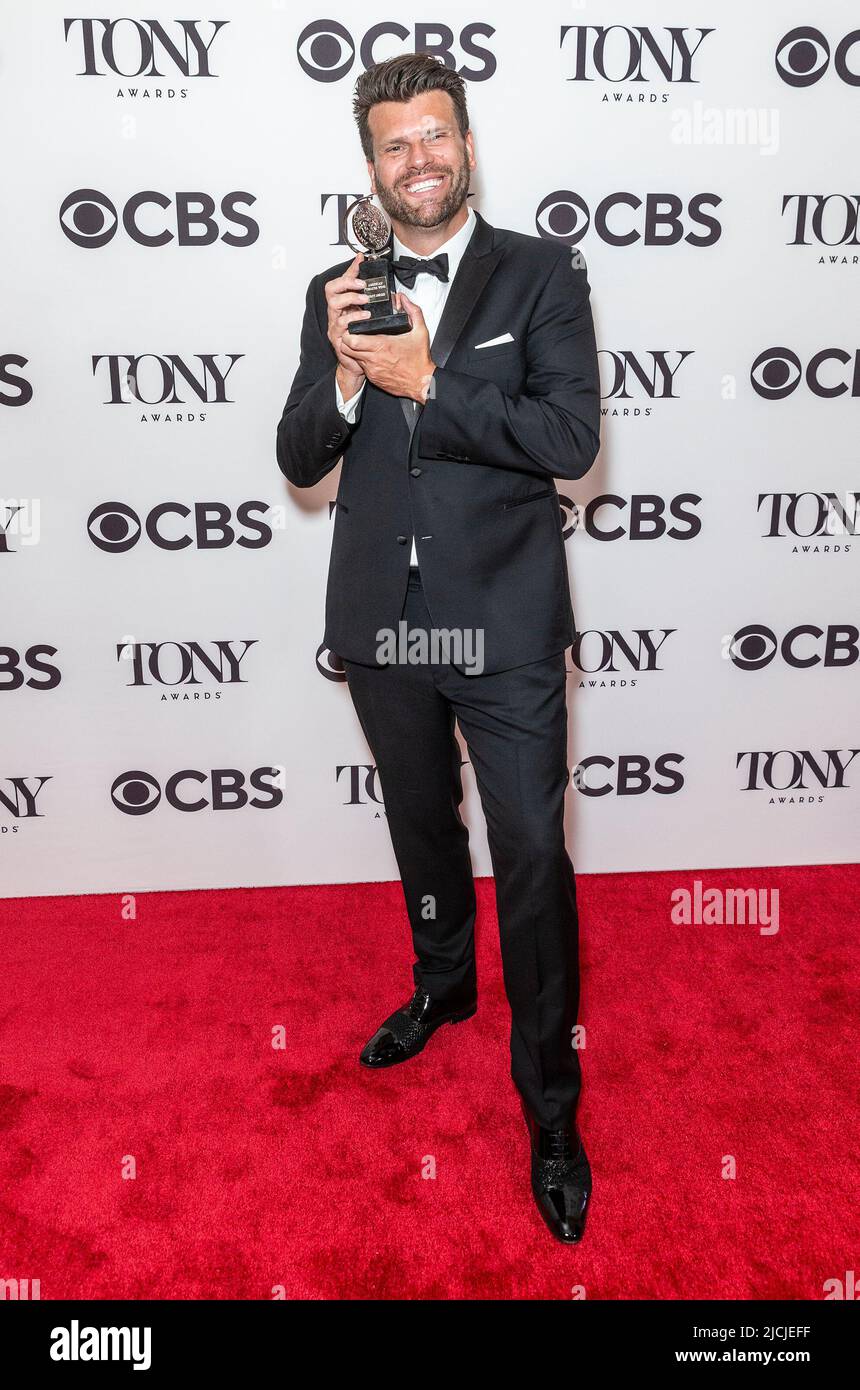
<point>429,293</point>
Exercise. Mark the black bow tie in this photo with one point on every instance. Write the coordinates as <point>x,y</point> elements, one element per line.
<point>408,267</point>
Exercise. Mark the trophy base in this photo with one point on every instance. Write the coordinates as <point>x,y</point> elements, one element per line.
<point>386,323</point>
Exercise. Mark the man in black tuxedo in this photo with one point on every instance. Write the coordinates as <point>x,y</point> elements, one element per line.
<point>451,435</point>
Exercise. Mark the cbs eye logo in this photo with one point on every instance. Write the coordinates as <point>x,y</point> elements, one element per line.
<point>325,50</point>
<point>571,516</point>
<point>329,664</point>
<point>775,373</point>
<point>114,526</point>
<point>563,216</point>
<point>88,218</point>
<point>753,647</point>
<point>135,793</point>
<point>803,57</point>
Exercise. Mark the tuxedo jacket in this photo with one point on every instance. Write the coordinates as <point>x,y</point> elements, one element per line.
<point>471,473</point>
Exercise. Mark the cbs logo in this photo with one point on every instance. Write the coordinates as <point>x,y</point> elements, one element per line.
<point>115,527</point>
<point>326,50</point>
<point>89,219</point>
<point>622,219</point>
<point>137,793</point>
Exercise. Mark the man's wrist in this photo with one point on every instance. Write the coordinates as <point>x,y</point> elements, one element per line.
<point>423,389</point>
<point>348,382</point>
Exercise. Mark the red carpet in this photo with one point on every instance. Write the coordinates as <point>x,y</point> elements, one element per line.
<point>259,1167</point>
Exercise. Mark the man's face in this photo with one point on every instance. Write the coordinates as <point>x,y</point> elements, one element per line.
<point>421,163</point>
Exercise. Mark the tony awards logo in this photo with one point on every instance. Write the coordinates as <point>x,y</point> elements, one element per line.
<point>366,227</point>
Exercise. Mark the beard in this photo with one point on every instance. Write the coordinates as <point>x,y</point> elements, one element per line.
<point>433,211</point>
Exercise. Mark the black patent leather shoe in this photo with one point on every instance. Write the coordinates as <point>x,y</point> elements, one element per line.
<point>409,1028</point>
<point>561,1178</point>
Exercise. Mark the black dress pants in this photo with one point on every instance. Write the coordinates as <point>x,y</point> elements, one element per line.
<point>515,727</point>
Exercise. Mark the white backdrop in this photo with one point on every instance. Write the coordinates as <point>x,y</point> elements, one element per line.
<point>750,127</point>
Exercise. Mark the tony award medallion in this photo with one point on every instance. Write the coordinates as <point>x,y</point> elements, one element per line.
<point>366,228</point>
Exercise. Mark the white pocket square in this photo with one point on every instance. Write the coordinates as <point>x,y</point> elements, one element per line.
<point>492,342</point>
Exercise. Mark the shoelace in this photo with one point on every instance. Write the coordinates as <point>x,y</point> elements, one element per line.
<point>559,1144</point>
<point>417,1004</point>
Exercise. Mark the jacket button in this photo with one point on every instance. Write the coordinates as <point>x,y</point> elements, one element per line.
<point>401,540</point>
<point>416,472</point>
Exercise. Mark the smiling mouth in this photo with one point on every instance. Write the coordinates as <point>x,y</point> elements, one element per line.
<point>425,185</point>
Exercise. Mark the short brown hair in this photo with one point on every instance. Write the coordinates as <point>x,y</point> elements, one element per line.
<point>400,79</point>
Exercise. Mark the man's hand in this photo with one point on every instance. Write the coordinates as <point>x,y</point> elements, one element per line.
<point>399,363</point>
<point>346,301</point>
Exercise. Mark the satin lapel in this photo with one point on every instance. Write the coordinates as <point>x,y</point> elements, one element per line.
<point>406,404</point>
<point>410,412</point>
<point>476,266</point>
<point>472,275</point>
